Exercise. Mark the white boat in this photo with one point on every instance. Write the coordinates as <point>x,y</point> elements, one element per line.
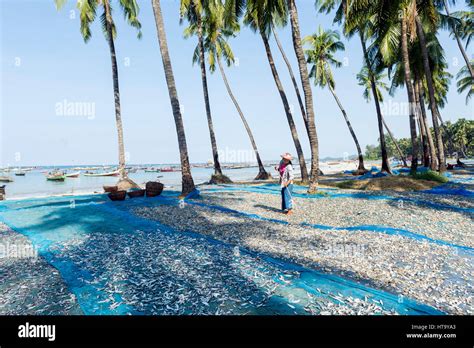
<point>5,179</point>
<point>115,173</point>
<point>73,175</point>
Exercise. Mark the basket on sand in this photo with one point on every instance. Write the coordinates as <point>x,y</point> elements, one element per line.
<point>117,196</point>
<point>153,188</point>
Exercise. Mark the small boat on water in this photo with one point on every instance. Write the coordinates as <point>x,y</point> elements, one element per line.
<point>153,170</point>
<point>73,175</point>
<point>56,177</point>
<point>20,173</point>
<point>5,179</point>
<point>114,173</point>
<point>170,169</point>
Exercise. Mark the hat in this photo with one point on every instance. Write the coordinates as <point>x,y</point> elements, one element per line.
<point>287,156</point>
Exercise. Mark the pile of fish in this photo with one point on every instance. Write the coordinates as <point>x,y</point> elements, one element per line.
<point>437,275</point>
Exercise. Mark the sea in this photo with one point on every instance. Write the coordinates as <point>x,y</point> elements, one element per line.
<point>34,183</point>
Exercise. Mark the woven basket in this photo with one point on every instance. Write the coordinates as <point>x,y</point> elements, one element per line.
<point>136,193</point>
<point>117,196</point>
<point>154,188</point>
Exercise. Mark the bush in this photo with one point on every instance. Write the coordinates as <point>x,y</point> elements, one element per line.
<point>430,176</point>
<point>345,184</point>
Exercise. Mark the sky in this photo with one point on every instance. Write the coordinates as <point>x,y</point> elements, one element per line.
<point>57,105</point>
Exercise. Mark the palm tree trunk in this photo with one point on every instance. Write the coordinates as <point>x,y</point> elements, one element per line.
<point>431,93</point>
<point>395,142</point>
<point>431,145</point>
<point>215,153</point>
<point>383,145</point>
<point>460,45</point>
<point>118,116</point>
<point>411,95</point>
<point>361,170</point>
<point>286,105</point>
<point>293,79</point>
<point>262,173</point>
<point>421,125</point>
<point>308,96</point>
<point>187,179</point>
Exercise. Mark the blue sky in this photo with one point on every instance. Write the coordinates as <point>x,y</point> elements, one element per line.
<point>46,64</point>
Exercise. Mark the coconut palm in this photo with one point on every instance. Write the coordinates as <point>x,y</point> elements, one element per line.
<point>465,82</point>
<point>404,38</point>
<point>360,23</point>
<point>292,76</point>
<point>455,29</point>
<point>466,26</point>
<point>88,13</point>
<point>193,11</point>
<point>217,29</point>
<point>260,16</point>
<point>308,95</point>
<point>186,177</point>
<point>365,81</point>
<point>322,47</point>
<point>441,80</point>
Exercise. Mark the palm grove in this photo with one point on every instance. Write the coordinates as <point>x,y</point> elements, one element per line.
<point>399,43</point>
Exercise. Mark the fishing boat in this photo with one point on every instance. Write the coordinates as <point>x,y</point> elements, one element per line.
<point>170,169</point>
<point>114,173</point>
<point>5,179</point>
<point>73,175</point>
<point>56,177</point>
<point>153,170</point>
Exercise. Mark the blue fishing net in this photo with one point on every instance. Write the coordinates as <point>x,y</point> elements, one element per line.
<point>118,263</point>
<point>301,192</point>
<point>368,228</point>
<point>451,190</point>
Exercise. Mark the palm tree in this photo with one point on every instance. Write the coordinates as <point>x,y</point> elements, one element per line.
<point>365,81</point>
<point>192,10</point>
<point>410,89</point>
<point>186,177</point>
<point>216,31</point>
<point>88,12</point>
<point>292,76</point>
<point>259,17</point>
<point>323,45</point>
<point>455,31</point>
<point>359,22</point>
<point>466,82</point>
<point>441,78</point>
<point>466,27</point>
<point>429,80</point>
<point>308,94</point>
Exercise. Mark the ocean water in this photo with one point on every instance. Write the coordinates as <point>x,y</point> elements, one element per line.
<point>34,183</point>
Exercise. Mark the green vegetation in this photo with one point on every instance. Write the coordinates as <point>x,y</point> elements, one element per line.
<point>430,176</point>
<point>458,137</point>
<point>345,184</point>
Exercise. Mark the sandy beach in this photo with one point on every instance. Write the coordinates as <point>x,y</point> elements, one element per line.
<point>416,246</point>
<point>439,275</point>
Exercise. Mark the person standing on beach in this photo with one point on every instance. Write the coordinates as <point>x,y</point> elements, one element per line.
<point>285,169</point>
